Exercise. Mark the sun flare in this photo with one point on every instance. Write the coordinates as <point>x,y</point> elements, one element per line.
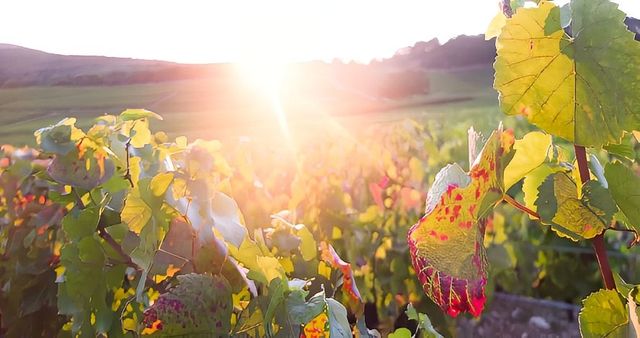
<point>266,79</point>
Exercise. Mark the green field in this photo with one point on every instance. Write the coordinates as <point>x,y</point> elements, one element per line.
<point>212,109</point>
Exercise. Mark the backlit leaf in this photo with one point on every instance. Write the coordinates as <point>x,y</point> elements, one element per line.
<point>558,203</point>
<point>80,224</point>
<point>160,183</point>
<point>308,246</point>
<point>603,315</point>
<point>530,152</point>
<point>532,182</point>
<point>581,88</point>
<point>85,172</point>
<point>624,185</point>
<point>60,138</point>
<point>446,246</point>
<point>136,114</point>
<point>135,213</point>
<point>226,219</point>
<point>330,256</point>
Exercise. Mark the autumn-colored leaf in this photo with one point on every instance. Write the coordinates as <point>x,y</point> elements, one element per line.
<point>200,304</point>
<point>330,256</point>
<point>446,245</point>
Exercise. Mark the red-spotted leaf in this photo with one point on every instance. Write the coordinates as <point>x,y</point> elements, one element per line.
<point>330,256</point>
<point>446,245</point>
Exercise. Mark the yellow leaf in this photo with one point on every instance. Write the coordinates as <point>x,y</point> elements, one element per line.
<point>135,213</point>
<point>308,246</point>
<point>324,270</point>
<point>287,264</point>
<point>336,233</point>
<point>531,152</point>
<point>160,183</point>
<point>270,268</point>
<point>495,26</point>
<point>129,324</point>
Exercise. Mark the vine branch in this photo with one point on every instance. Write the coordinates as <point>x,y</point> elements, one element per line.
<point>127,174</point>
<point>598,241</point>
<point>102,232</point>
<point>520,207</point>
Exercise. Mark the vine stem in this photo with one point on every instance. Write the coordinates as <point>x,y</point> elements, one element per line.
<point>598,241</point>
<point>520,207</point>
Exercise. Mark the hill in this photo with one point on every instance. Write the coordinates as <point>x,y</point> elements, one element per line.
<point>23,67</point>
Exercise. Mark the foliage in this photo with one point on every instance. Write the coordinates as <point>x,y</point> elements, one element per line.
<point>119,231</point>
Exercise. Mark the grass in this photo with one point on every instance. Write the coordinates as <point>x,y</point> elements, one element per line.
<point>214,109</point>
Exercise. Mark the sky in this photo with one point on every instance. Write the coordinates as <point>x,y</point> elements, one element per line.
<point>203,31</point>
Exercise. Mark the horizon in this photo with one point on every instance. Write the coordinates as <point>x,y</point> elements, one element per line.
<point>243,31</point>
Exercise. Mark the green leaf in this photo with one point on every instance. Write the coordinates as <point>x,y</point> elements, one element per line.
<point>300,311</point>
<point>530,152</point>
<point>624,150</point>
<point>226,218</point>
<point>338,322</point>
<point>558,204</point>
<point>624,186</point>
<point>277,288</point>
<point>424,323</point>
<point>598,199</point>
<point>400,333</point>
<point>85,172</point>
<point>581,88</point>
<point>80,224</point>
<point>603,315</point>
<point>60,138</point>
<point>136,114</point>
<point>199,304</point>
<point>90,251</point>
<point>364,331</point>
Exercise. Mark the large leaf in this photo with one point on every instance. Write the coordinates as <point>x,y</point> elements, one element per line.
<point>558,203</point>
<point>60,138</point>
<point>226,219</point>
<point>581,88</point>
<point>446,246</point>
<point>86,172</point>
<point>200,304</point>
<point>624,185</point>
<point>338,322</point>
<point>603,315</point>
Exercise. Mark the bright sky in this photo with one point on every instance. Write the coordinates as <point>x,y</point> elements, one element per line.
<point>220,31</point>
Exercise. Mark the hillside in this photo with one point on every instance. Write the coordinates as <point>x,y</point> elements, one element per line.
<point>23,67</point>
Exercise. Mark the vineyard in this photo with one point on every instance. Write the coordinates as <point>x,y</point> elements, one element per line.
<point>400,229</point>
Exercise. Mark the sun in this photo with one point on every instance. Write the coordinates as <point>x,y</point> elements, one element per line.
<point>266,79</point>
